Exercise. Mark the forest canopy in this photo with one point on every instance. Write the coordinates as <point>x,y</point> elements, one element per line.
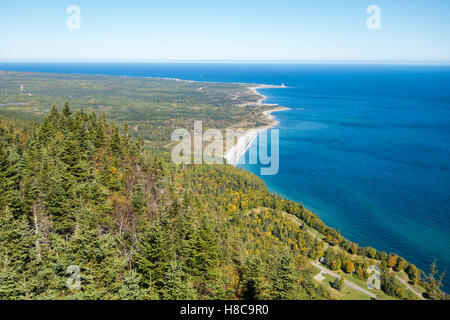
<point>77,190</point>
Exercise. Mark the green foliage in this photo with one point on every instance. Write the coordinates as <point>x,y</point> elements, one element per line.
<point>413,273</point>
<point>252,278</point>
<point>76,192</point>
<point>284,279</point>
<point>177,284</point>
<point>333,259</point>
<point>349,266</point>
<point>152,258</point>
<point>130,288</point>
<point>151,108</point>
<point>338,283</point>
<point>432,285</point>
<point>401,264</point>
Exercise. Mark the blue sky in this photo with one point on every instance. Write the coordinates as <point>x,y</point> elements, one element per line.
<point>225,30</point>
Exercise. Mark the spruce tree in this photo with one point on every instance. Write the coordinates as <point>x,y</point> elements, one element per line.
<point>177,286</point>
<point>284,279</point>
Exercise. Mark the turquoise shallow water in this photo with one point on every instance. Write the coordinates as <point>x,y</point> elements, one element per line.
<point>365,147</point>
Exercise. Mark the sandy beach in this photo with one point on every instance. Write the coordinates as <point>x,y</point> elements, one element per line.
<point>243,143</point>
<point>232,156</point>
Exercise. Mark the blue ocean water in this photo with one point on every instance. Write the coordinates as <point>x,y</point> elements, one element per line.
<point>367,147</point>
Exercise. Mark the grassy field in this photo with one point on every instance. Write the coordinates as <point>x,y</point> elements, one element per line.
<point>346,293</point>
<point>405,277</point>
<point>362,283</point>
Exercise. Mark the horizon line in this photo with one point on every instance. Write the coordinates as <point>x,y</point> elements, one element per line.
<point>275,61</point>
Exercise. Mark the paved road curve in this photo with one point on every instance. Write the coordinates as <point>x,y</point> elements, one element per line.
<point>406,284</point>
<point>346,282</point>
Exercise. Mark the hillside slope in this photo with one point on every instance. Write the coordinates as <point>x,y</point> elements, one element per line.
<point>76,193</point>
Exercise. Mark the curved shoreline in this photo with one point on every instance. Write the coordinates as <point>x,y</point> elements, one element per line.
<point>244,142</point>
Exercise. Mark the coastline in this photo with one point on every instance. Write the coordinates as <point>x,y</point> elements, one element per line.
<point>249,140</point>
<point>244,142</point>
<point>260,101</point>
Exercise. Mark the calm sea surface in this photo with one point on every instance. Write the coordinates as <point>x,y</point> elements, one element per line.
<point>365,147</point>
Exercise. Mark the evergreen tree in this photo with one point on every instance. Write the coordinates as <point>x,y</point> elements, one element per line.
<point>16,254</point>
<point>201,250</point>
<point>115,144</point>
<point>130,288</point>
<point>153,256</point>
<point>284,280</point>
<point>58,200</point>
<point>432,284</point>
<point>66,110</point>
<point>177,286</point>
<point>252,280</point>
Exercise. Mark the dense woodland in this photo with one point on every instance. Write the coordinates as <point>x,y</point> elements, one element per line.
<point>78,190</point>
